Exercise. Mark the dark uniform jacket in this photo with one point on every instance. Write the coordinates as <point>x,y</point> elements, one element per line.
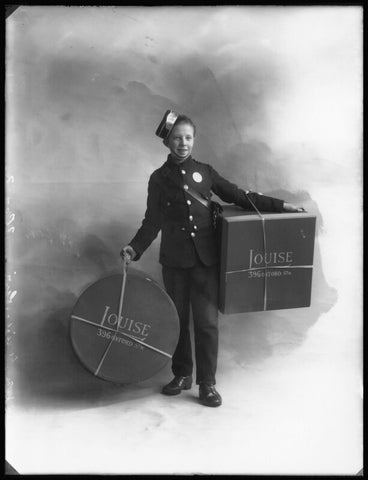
<point>186,225</point>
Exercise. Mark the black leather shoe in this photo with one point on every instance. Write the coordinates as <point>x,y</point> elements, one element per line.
<point>209,396</point>
<point>177,385</point>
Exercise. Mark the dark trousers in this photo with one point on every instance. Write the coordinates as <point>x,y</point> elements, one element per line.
<point>196,287</point>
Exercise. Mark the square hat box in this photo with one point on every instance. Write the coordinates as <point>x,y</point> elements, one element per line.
<point>266,263</point>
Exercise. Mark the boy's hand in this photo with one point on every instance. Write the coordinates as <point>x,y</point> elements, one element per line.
<point>289,207</point>
<point>128,254</point>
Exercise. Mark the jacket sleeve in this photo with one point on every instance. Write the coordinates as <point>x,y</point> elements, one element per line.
<point>151,223</point>
<point>230,193</point>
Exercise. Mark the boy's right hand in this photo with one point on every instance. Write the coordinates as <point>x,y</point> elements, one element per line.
<point>128,254</point>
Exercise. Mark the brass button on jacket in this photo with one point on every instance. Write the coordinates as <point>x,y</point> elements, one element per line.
<point>165,189</point>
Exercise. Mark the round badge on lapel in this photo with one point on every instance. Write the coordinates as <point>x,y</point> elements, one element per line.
<point>197,177</point>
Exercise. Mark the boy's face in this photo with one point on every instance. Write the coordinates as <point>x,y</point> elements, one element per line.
<point>180,141</point>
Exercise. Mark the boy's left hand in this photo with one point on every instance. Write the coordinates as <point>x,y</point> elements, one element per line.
<point>289,207</point>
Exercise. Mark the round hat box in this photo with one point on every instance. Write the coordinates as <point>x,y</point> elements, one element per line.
<point>138,346</point>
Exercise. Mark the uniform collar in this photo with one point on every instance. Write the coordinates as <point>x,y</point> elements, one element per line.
<point>169,163</point>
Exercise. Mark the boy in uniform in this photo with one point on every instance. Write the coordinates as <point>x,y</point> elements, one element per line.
<point>179,205</point>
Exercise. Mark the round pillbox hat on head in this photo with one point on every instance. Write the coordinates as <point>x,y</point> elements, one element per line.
<point>166,124</point>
